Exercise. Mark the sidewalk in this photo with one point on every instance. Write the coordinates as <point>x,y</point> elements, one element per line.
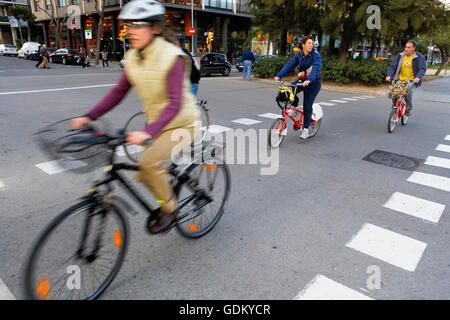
<point>436,91</point>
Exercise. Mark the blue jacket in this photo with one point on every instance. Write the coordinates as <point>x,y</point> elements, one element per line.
<point>313,59</point>
<point>418,64</point>
<point>248,55</point>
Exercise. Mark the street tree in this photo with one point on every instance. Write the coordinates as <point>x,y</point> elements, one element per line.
<point>25,14</point>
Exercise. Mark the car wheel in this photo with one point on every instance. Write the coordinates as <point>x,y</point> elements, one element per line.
<point>50,59</point>
<point>64,61</point>
<point>226,72</point>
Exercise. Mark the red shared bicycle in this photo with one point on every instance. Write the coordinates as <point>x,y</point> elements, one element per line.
<point>285,98</point>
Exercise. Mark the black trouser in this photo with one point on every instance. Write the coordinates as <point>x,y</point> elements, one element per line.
<point>103,60</point>
<point>39,62</point>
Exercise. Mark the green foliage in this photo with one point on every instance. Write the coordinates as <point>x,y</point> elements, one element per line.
<point>370,72</point>
<point>269,67</point>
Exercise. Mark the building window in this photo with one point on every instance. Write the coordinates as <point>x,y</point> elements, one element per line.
<point>75,2</point>
<point>48,4</point>
<point>222,4</point>
<point>61,3</point>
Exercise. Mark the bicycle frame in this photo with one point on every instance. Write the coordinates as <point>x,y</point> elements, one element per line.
<point>400,105</point>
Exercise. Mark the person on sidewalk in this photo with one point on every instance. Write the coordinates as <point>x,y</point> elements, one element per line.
<point>309,63</point>
<point>105,58</point>
<point>195,71</point>
<point>82,54</point>
<point>408,66</point>
<point>247,60</point>
<point>44,55</point>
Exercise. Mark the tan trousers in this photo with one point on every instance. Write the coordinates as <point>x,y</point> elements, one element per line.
<point>45,63</point>
<point>153,174</point>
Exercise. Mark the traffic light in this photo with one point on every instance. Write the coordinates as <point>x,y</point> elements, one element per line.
<point>123,33</point>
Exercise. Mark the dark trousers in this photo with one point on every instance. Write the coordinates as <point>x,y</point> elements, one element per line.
<point>310,93</point>
<point>39,62</point>
<point>105,61</point>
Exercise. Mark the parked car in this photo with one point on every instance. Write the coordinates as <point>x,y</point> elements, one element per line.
<point>212,62</point>
<point>8,50</point>
<point>240,65</point>
<point>64,56</point>
<point>28,49</point>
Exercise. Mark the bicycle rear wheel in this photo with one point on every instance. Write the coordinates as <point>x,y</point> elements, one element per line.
<point>392,122</point>
<point>136,123</point>
<point>275,136</point>
<point>214,180</point>
<point>63,266</point>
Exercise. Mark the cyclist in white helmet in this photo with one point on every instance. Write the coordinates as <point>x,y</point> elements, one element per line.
<point>159,72</point>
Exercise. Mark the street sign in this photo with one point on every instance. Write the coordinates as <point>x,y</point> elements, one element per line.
<point>88,34</point>
<point>191,31</point>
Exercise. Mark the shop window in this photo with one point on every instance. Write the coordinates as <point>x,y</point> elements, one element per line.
<point>222,4</point>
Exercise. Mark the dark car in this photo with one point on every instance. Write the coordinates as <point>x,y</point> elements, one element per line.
<point>64,56</point>
<point>212,62</point>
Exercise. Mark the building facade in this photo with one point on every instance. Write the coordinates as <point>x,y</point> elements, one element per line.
<point>65,23</point>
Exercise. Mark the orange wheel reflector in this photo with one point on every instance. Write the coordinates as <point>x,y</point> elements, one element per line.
<point>210,168</point>
<point>118,238</point>
<point>193,227</point>
<point>43,288</point>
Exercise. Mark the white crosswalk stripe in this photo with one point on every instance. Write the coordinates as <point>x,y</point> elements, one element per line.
<point>322,288</point>
<point>391,247</point>
<point>246,121</point>
<point>2,185</point>
<point>339,101</point>
<point>443,147</point>
<point>215,129</point>
<point>447,137</point>
<point>270,115</point>
<point>438,162</point>
<point>416,207</point>
<point>5,293</point>
<point>326,104</point>
<point>54,167</point>
<point>350,99</point>
<point>430,180</point>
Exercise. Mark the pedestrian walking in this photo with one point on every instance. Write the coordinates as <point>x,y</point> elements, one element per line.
<point>39,57</point>
<point>105,58</point>
<point>44,55</point>
<point>247,60</point>
<point>82,54</point>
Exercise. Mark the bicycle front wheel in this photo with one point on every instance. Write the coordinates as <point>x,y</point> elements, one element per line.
<point>392,122</point>
<point>276,136</point>
<point>78,254</point>
<point>214,180</point>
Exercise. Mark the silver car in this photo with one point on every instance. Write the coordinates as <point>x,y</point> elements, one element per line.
<point>8,50</point>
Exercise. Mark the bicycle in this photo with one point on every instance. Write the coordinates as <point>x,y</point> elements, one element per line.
<point>138,121</point>
<point>398,91</point>
<point>284,99</point>
<point>95,228</point>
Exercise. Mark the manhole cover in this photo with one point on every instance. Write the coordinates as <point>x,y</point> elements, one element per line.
<point>394,160</point>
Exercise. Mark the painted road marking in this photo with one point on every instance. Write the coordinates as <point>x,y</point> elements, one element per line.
<point>270,115</point>
<point>54,167</point>
<point>5,293</point>
<point>430,180</point>
<point>362,98</point>
<point>132,149</point>
<point>391,247</point>
<point>350,99</point>
<point>2,185</point>
<point>415,207</point>
<point>438,162</point>
<point>339,101</point>
<point>447,137</point>
<point>246,121</point>
<point>322,288</point>
<point>443,147</point>
<point>57,89</point>
<point>214,129</point>
<point>326,103</point>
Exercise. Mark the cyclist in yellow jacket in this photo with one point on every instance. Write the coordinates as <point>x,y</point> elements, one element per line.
<point>159,72</point>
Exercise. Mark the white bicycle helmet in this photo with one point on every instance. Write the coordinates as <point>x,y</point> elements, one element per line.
<point>142,10</point>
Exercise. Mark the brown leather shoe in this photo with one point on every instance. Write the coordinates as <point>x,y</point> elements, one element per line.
<point>163,222</point>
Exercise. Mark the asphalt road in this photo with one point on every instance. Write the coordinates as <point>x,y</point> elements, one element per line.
<point>315,229</point>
